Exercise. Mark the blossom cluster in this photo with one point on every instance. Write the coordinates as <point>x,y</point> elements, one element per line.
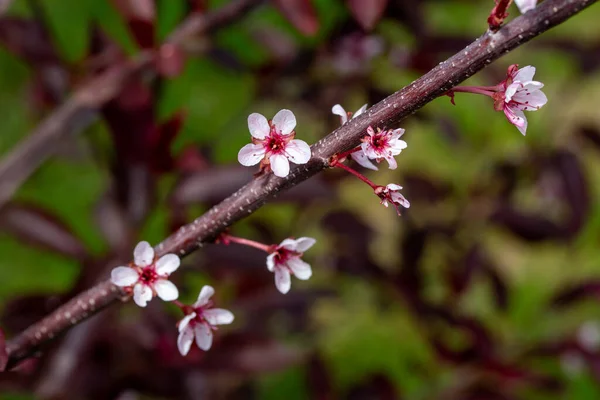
<point>148,277</point>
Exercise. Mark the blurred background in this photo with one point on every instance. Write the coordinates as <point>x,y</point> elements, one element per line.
<point>488,287</point>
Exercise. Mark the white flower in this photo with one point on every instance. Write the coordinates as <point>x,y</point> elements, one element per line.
<point>521,93</point>
<point>345,116</point>
<point>148,277</point>
<point>360,157</point>
<point>391,194</point>
<point>525,5</point>
<point>273,143</point>
<point>285,261</point>
<point>200,323</point>
<point>380,145</point>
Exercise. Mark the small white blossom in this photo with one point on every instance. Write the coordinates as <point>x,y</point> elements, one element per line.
<point>525,5</point>
<point>380,145</point>
<point>200,323</point>
<point>521,93</point>
<point>391,194</point>
<point>147,276</point>
<point>285,261</point>
<point>273,143</point>
<point>360,157</point>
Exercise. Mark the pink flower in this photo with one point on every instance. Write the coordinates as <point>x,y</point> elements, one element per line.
<point>200,323</point>
<point>273,143</point>
<point>520,93</point>
<point>147,276</point>
<point>525,5</point>
<point>285,261</point>
<point>391,194</point>
<point>380,145</point>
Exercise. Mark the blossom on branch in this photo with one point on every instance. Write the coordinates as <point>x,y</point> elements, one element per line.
<point>200,323</point>
<point>147,276</point>
<point>345,116</point>
<point>519,93</point>
<point>285,260</point>
<point>380,145</point>
<point>273,144</point>
<point>525,5</point>
<point>391,194</point>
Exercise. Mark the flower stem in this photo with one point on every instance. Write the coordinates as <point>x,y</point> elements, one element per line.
<point>345,154</point>
<point>247,242</point>
<point>485,90</point>
<point>355,173</point>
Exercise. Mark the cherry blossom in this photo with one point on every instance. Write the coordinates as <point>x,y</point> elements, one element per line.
<point>346,116</point>
<point>285,261</point>
<point>200,322</point>
<point>359,156</point>
<point>391,194</point>
<point>273,143</point>
<point>519,93</point>
<point>525,5</point>
<point>147,276</point>
<point>380,145</point>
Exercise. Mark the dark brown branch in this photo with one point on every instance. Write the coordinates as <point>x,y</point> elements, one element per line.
<point>79,111</point>
<point>249,198</point>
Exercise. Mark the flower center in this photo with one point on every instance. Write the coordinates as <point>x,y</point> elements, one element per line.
<point>276,142</point>
<point>148,275</point>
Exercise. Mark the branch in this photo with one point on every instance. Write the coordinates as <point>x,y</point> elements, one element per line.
<point>79,112</point>
<point>253,195</point>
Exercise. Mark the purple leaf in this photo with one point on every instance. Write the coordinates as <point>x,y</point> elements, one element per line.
<point>367,13</point>
<point>301,14</point>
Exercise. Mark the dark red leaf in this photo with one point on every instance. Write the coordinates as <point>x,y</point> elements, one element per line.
<point>170,60</point>
<point>367,13</point>
<point>301,14</point>
<point>140,15</point>
<point>3,353</point>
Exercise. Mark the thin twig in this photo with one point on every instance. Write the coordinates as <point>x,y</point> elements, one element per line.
<point>79,112</point>
<point>253,195</point>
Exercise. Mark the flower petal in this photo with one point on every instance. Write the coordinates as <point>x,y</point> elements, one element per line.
<point>271,261</point>
<point>204,336</point>
<point>290,244</point>
<point>391,161</point>
<point>143,254</point>
<point>280,165</point>
<point>525,74</point>
<point>304,243</point>
<point>258,126</point>
<point>185,321</point>
<point>339,110</point>
<point>530,101</point>
<point>393,187</point>
<point>185,340</point>
<point>205,294</point>
<point>124,276</point>
<point>298,151</point>
<point>284,121</point>
<point>399,199</point>
<point>166,290</point>
<point>142,294</point>
<point>300,268</point>
<point>283,282</point>
<point>251,154</point>
<point>362,159</point>
<point>397,146</point>
<point>218,316</point>
<point>359,111</point>
<point>517,118</point>
<point>167,264</point>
